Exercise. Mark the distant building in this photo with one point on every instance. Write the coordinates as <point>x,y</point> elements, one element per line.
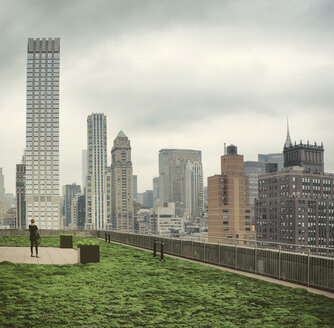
<point>21,196</point>
<point>296,204</point>
<point>70,191</point>
<point>136,209</point>
<point>272,158</point>
<point>205,199</point>
<point>144,221</point>
<point>172,176</point>
<point>84,167</point>
<point>140,198</point>
<point>164,221</point>
<point>252,171</point>
<point>81,211</point>
<point>122,189</point>
<point>194,203</point>
<point>78,213</point>
<point>135,187</point>
<point>98,181</point>
<point>10,200</point>
<point>155,189</point>
<point>229,211</point>
<point>148,199</point>
<point>9,219</point>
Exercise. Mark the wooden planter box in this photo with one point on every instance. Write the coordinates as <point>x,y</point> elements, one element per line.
<point>66,241</point>
<point>88,253</point>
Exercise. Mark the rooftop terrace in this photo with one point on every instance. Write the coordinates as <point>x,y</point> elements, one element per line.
<point>130,288</point>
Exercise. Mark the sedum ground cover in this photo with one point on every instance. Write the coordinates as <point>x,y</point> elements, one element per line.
<point>129,288</point>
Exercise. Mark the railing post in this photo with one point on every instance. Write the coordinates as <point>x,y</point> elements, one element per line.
<point>219,252</point>
<point>181,246</point>
<point>106,235</point>
<point>204,251</point>
<point>236,255</point>
<point>154,248</point>
<point>255,258</point>
<point>162,251</point>
<point>308,267</point>
<point>279,262</point>
<point>172,246</point>
<point>109,237</point>
<point>192,248</point>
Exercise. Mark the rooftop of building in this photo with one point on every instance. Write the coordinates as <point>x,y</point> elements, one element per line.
<point>296,170</point>
<point>130,288</point>
<point>174,149</point>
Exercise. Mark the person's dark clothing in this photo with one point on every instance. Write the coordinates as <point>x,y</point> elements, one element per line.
<point>33,238</point>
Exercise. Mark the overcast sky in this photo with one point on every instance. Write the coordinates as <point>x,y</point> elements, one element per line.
<point>174,74</point>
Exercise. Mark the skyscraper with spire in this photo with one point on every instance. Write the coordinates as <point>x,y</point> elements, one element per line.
<point>122,189</point>
<point>310,157</point>
<point>296,204</point>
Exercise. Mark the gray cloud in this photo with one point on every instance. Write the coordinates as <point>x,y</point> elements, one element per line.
<point>174,74</point>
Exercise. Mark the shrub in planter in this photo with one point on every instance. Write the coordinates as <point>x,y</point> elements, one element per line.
<point>88,251</point>
<point>66,240</point>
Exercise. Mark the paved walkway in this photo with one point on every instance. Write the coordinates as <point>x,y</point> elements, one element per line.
<point>248,274</point>
<point>48,255</point>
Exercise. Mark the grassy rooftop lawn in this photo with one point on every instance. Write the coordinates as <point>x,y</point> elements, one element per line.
<point>129,288</point>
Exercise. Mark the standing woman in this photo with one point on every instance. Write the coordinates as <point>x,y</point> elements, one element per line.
<point>33,237</point>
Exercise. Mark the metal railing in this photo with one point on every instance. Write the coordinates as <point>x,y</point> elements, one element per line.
<point>298,264</point>
<point>301,264</point>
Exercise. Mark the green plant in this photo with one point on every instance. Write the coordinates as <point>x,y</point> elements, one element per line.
<point>88,242</point>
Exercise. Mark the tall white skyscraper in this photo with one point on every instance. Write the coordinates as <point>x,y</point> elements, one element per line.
<point>42,133</point>
<point>98,181</point>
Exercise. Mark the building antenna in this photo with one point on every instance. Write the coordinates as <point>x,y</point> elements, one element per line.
<point>224,148</point>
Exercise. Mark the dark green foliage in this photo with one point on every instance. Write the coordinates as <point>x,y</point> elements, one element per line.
<point>88,241</point>
<point>129,288</point>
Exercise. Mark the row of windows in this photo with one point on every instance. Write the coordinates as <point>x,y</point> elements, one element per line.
<point>44,55</point>
<point>43,63</point>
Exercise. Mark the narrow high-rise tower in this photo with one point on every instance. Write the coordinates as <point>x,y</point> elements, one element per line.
<point>42,133</point>
<point>98,189</point>
<point>122,191</point>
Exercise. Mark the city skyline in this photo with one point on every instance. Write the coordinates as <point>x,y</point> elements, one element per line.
<point>174,76</point>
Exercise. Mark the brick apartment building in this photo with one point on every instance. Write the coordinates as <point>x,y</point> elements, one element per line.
<point>229,211</point>
<point>296,205</point>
